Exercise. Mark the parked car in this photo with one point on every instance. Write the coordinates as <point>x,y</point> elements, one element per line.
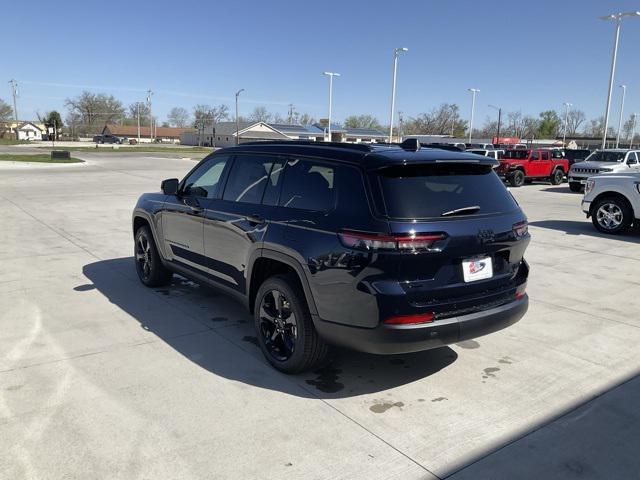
<point>613,201</point>
<point>492,153</point>
<point>107,139</point>
<point>576,155</point>
<point>479,146</point>
<point>380,248</point>
<point>613,160</point>
<point>520,166</point>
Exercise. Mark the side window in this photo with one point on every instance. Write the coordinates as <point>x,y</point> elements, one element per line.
<point>308,185</point>
<point>250,177</point>
<point>545,156</point>
<point>633,158</point>
<point>500,154</point>
<point>535,156</point>
<point>204,181</point>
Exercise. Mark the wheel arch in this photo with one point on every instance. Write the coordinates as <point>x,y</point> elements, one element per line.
<point>271,263</point>
<point>611,194</point>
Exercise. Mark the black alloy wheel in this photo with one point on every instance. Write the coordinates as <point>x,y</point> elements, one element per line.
<point>278,325</point>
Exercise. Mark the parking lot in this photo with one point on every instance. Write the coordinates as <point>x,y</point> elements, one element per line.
<point>101,377</point>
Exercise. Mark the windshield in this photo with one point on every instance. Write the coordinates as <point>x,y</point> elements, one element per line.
<point>516,154</point>
<point>426,191</point>
<point>606,156</point>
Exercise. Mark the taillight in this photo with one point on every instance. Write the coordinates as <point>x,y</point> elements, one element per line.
<point>521,229</point>
<point>380,241</point>
<point>409,319</point>
<point>521,291</point>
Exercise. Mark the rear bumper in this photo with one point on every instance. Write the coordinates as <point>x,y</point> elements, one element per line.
<point>388,339</point>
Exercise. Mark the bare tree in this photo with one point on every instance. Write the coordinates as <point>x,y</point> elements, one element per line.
<point>178,117</point>
<point>260,114</point>
<point>444,120</point>
<point>306,119</point>
<point>627,128</point>
<point>95,109</point>
<point>6,112</point>
<point>145,111</point>
<point>575,118</point>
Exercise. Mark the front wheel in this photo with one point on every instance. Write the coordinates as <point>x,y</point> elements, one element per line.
<point>612,215</point>
<point>517,178</point>
<point>575,186</point>
<point>284,327</point>
<point>149,266</point>
<point>556,177</point>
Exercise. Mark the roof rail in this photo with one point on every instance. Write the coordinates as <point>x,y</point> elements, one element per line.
<point>361,147</point>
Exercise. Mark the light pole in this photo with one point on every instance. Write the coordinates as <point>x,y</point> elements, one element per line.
<point>330,75</point>
<point>617,17</point>
<point>624,92</point>
<point>237,118</point>
<point>474,92</point>
<point>566,122</point>
<point>499,109</point>
<point>396,52</point>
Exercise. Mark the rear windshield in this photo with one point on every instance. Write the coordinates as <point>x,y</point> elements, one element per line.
<point>516,154</point>
<point>427,191</point>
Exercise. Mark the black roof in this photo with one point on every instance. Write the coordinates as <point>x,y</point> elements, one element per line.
<point>373,155</point>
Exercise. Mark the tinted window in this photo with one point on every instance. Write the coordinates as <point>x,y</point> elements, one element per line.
<point>535,156</point>
<point>517,154</point>
<point>307,185</point>
<point>606,156</point>
<point>424,191</point>
<point>249,177</point>
<point>204,181</point>
<point>545,156</point>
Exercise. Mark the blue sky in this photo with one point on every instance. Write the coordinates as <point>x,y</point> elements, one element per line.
<point>527,56</point>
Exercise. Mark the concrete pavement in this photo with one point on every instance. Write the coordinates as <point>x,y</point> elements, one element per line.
<point>103,378</point>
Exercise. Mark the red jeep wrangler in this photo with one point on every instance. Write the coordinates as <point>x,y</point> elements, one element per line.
<point>523,166</point>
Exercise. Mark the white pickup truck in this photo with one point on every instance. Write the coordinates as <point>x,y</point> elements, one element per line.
<point>612,201</point>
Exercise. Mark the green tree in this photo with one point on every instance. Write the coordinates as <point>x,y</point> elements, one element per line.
<point>362,121</point>
<point>53,119</point>
<point>549,124</point>
<point>6,112</point>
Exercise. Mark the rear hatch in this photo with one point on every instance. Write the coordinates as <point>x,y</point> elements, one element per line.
<point>465,234</point>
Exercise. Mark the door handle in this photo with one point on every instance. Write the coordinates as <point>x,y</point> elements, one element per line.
<point>254,219</point>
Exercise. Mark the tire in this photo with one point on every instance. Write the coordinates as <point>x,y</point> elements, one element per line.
<point>149,267</point>
<point>557,177</point>
<point>517,178</point>
<point>575,186</point>
<point>612,215</point>
<point>286,334</point>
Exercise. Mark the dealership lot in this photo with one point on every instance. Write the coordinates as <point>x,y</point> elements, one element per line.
<point>101,377</point>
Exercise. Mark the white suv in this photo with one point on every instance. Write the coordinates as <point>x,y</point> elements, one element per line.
<point>603,161</point>
<point>612,201</point>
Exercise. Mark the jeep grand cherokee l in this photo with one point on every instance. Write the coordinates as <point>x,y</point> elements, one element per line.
<point>381,248</point>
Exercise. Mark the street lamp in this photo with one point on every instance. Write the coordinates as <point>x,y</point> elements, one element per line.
<point>624,92</point>
<point>566,122</point>
<point>617,17</point>
<point>396,52</point>
<point>499,109</point>
<point>330,75</point>
<point>474,92</point>
<point>237,121</point>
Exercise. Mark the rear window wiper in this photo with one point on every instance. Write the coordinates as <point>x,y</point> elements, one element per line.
<point>461,211</point>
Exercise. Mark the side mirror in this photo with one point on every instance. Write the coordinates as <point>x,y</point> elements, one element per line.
<point>169,186</point>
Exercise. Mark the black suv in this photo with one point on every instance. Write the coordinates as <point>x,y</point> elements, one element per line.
<point>380,248</point>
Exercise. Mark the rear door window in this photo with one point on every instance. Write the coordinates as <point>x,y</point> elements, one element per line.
<point>427,191</point>
<point>308,185</point>
<point>249,178</point>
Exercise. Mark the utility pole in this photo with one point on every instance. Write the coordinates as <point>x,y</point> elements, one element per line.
<point>474,92</point>
<point>138,123</point>
<point>499,109</point>
<point>400,125</point>
<point>149,94</point>
<point>14,91</point>
<point>330,75</point>
<point>290,113</point>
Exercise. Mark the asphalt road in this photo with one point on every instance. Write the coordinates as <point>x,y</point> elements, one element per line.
<point>101,377</point>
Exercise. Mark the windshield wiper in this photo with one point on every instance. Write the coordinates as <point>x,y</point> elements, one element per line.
<point>462,211</point>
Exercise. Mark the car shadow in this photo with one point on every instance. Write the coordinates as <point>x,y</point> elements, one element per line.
<point>571,227</point>
<point>561,189</point>
<point>225,344</point>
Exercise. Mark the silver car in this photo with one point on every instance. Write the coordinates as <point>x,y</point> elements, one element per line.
<point>603,161</point>
<point>613,201</point>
